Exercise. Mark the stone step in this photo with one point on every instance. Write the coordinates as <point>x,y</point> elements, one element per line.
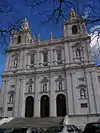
<point>37,122</point>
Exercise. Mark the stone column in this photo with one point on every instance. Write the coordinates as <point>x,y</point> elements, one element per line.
<point>21,60</point>
<point>36,98</point>
<point>49,57</point>
<point>63,60</point>
<point>91,105</point>
<point>70,94</point>
<point>41,58</point>
<point>66,53</point>
<point>35,59</point>
<point>5,96</point>
<point>17,94</point>
<point>26,59</point>
<point>11,61</point>
<point>52,98</point>
<point>7,61</point>
<point>96,90</point>
<point>22,99</point>
<point>54,57</point>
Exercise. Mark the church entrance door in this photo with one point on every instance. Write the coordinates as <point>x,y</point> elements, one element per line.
<point>61,105</point>
<point>29,109</point>
<point>44,106</point>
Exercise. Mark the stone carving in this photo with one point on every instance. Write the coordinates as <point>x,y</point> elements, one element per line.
<point>11,97</point>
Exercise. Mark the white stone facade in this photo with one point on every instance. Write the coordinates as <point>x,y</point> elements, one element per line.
<point>59,68</point>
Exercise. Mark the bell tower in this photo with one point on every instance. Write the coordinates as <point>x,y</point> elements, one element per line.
<point>74,26</point>
<point>25,25</point>
<point>23,36</point>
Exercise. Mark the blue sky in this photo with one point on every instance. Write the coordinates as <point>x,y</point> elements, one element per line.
<point>21,11</point>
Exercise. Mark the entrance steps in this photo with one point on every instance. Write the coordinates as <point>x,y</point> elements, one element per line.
<point>37,122</point>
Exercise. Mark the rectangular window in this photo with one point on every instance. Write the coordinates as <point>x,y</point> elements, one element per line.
<point>45,58</point>
<point>59,57</point>
<point>10,108</point>
<point>32,59</point>
<point>84,105</point>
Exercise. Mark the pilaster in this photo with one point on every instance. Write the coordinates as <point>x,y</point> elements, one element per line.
<point>36,98</point>
<point>22,97</point>
<point>41,58</point>
<point>21,59</point>
<point>96,91</point>
<point>17,98</point>
<point>91,106</point>
<point>5,98</point>
<point>70,94</point>
<point>66,53</point>
<point>52,98</point>
<point>54,57</point>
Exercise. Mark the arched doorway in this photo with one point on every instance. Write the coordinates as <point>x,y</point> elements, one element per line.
<point>44,106</point>
<point>29,109</point>
<point>61,105</point>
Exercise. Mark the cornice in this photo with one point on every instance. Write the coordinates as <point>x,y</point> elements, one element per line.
<point>48,43</point>
<point>46,70</point>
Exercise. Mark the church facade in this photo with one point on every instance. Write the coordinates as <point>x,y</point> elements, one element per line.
<point>53,78</point>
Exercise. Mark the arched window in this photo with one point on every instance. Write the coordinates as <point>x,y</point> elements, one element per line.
<point>44,87</point>
<point>74,29</point>
<point>60,85</point>
<point>19,39</point>
<point>82,93</point>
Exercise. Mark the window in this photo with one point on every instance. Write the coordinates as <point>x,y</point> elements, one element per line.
<point>10,108</point>
<point>30,88</point>
<point>82,93</point>
<point>75,128</point>
<point>74,29</point>
<point>59,56</point>
<point>60,85</point>
<point>84,105</point>
<point>69,128</point>
<point>12,86</point>
<point>32,57</point>
<point>30,80</point>
<point>16,62</point>
<point>19,39</point>
<point>11,97</point>
<point>55,129</point>
<point>34,130</point>
<point>44,87</point>
<point>45,58</point>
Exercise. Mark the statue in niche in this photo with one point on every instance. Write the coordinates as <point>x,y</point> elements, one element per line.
<point>60,85</point>
<point>82,93</point>
<point>30,88</point>
<point>45,87</point>
<point>11,97</point>
<point>78,53</point>
<point>16,61</point>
